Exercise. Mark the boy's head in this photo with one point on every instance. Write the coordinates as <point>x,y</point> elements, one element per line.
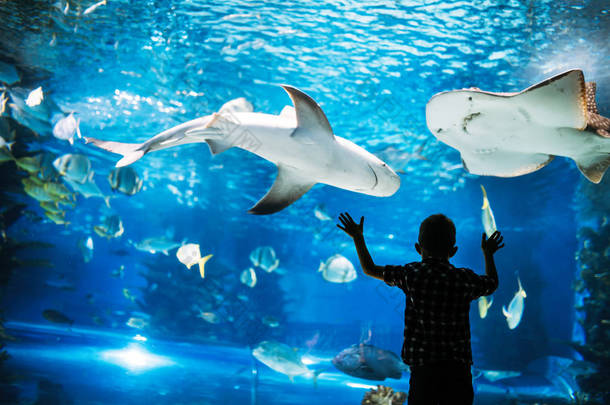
<point>436,237</point>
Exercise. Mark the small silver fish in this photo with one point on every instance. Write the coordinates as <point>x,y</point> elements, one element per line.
<point>94,7</point>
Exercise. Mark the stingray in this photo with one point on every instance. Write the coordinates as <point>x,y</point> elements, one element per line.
<point>512,134</point>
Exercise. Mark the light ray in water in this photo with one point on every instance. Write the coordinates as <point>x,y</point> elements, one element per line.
<point>135,358</point>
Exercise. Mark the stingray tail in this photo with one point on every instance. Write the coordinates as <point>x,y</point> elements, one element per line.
<point>130,151</point>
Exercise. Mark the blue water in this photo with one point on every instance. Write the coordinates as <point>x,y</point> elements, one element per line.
<point>133,69</point>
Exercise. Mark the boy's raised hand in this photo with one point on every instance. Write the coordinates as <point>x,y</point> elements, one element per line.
<point>493,244</point>
<point>350,227</point>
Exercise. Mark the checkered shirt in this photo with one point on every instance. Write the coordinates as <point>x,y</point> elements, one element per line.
<point>438,296</point>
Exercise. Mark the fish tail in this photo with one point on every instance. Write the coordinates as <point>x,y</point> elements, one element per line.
<point>315,376</point>
<point>130,151</point>
<point>485,200</point>
<point>521,290</point>
<point>202,263</point>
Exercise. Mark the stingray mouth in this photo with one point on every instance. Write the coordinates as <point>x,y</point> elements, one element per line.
<point>468,119</point>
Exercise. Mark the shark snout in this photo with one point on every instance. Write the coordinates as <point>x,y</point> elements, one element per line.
<point>387,181</point>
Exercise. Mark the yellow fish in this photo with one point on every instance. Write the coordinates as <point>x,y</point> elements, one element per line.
<point>58,218</point>
<point>484,306</point>
<point>487,215</point>
<point>30,164</point>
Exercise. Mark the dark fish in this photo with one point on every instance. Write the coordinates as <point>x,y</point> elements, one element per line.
<point>369,362</point>
<point>54,316</point>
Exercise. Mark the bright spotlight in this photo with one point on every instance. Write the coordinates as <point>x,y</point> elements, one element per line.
<point>135,358</point>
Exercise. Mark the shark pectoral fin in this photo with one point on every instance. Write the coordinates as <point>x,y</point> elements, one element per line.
<point>218,146</point>
<point>503,163</point>
<point>593,167</point>
<point>288,187</point>
<point>560,101</point>
<point>311,120</point>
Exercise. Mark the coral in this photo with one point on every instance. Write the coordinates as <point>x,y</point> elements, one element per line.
<point>383,395</point>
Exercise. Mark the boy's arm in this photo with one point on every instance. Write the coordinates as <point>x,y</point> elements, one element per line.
<point>489,247</point>
<point>356,232</point>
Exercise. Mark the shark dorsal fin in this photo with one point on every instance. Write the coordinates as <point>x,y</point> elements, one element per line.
<point>311,120</point>
<point>288,187</point>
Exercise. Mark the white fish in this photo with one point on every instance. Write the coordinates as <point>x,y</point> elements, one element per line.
<point>320,213</point>
<point>264,257</point>
<point>66,128</point>
<point>484,306</point>
<point>86,248</point>
<point>125,180</point>
<point>304,149</point>
<point>210,317</point>
<point>487,215</point>
<point>512,134</point>
<point>496,375</point>
<point>281,358</point>
<point>137,322</point>
<point>112,227</point>
<point>94,7</point>
<point>515,307</point>
<point>35,97</point>
<point>338,269</point>
<point>88,189</point>
<point>74,167</point>
<point>157,244</point>
<point>248,277</point>
<point>190,254</point>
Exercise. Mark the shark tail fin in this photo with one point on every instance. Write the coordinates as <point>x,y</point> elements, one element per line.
<point>130,151</point>
<point>594,167</point>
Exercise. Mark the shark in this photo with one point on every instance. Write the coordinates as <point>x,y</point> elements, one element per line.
<point>512,134</point>
<point>299,141</point>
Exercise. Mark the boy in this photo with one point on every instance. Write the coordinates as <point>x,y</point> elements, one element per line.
<point>437,328</point>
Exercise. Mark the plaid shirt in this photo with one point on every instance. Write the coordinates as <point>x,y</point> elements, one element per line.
<point>438,296</point>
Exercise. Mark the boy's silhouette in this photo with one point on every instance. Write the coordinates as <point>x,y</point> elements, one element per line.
<point>437,327</point>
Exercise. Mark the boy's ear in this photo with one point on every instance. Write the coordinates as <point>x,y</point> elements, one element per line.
<point>453,251</point>
<point>418,248</point>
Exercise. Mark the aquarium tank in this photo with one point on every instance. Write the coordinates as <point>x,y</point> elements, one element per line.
<point>172,174</point>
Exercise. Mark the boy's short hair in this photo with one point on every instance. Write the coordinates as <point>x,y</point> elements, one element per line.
<point>437,234</point>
